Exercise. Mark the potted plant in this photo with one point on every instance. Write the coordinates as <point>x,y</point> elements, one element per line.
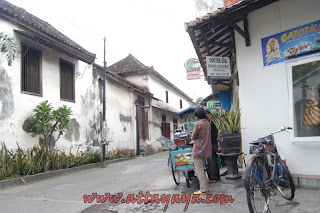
<point>228,125</point>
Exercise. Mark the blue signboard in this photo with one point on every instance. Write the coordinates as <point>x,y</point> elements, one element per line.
<point>292,43</point>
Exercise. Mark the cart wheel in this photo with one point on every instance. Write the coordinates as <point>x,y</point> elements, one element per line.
<point>176,175</point>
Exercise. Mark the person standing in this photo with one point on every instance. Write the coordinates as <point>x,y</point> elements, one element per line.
<point>213,167</point>
<point>202,148</point>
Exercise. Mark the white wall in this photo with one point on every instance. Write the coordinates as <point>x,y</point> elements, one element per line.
<point>21,105</point>
<point>263,91</point>
<point>155,125</point>
<point>158,88</point>
<point>120,116</point>
<point>141,80</point>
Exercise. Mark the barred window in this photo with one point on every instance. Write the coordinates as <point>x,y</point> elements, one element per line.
<point>31,80</point>
<point>67,81</point>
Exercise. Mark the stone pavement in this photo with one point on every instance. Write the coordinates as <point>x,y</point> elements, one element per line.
<point>305,200</point>
<point>146,174</point>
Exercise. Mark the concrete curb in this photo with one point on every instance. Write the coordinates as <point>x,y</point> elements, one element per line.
<point>42,176</point>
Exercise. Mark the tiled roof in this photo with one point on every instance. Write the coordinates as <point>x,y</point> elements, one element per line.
<point>128,65</point>
<point>44,31</point>
<point>213,33</point>
<point>123,81</point>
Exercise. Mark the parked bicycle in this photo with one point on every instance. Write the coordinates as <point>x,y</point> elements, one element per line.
<point>266,174</point>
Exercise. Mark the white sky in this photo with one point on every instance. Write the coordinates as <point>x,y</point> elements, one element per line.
<point>152,31</point>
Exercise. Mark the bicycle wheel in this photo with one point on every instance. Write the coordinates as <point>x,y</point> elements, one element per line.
<point>176,175</point>
<point>258,194</point>
<point>284,181</point>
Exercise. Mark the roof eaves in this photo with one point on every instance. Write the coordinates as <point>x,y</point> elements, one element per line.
<point>123,81</point>
<point>36,25</point>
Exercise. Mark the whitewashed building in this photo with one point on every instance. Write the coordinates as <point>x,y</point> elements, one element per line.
<point>167,100</point>
<point>121,124</point>
<point>274,47</point>
<point>49,66</point>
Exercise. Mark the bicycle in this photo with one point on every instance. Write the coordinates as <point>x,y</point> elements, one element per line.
<point>266,174</point>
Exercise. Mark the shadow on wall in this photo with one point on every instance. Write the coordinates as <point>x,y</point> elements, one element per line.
<point>6,96</point>
<point>73,133</point>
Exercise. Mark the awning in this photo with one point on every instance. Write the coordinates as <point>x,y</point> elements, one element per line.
<point>188,110</point>
<point>213,34</point>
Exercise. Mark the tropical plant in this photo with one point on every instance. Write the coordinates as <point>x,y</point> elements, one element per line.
<point>47,121</point>
<point>114,154</point>
<point>227,122</point>
<point>8,47</point>
<point>199,100</point>
<point>38,159</point>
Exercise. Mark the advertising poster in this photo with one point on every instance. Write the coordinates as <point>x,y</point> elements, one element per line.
<point>228,3</point>
<point>214,106</point>
<point>292,43</point>
<point>193,68</point>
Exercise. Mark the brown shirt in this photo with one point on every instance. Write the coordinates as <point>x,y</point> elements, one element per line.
<point>201,135</point>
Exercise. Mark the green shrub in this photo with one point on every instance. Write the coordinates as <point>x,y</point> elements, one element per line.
<point>38,159</point>
<point>47,121</point>
<point>8,47</point>
<point>114,154</point>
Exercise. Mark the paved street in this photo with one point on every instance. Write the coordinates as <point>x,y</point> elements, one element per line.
<point>145,174</point>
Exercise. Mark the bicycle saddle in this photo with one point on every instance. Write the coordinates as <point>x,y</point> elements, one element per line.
<point>259,141</point>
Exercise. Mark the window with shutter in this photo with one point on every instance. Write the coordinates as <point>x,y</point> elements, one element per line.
<point>31,80</point>
<point>67,81</point>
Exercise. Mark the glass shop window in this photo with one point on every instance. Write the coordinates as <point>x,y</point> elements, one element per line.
<point>306,93</point>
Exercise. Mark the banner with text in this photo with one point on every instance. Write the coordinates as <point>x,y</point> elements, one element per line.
<point>193,68</point>
<point>218,67</point>
<point>292,43</point>
<point>213,106</point>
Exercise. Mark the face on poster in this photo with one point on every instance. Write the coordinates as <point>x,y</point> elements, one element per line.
<point>295,42</point>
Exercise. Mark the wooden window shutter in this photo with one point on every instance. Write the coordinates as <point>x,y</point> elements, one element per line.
<point>31,70</point>
<point>67,85</point>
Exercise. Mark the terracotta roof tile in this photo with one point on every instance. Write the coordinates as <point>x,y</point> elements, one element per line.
<point>123,81</point>
<point>33,23</point>
<point>128,65</point>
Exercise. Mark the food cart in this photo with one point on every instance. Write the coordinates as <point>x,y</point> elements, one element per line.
<point>180,159</point>
<point>182,162</point>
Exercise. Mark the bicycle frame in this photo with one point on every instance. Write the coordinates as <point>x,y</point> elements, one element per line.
<point>266,174</point>
<point>267,154</point>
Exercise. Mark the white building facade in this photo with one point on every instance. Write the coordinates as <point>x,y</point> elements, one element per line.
<point>268,99</point>
<point>166,101</point>
<point>274,48</point>
<point>44,69</point>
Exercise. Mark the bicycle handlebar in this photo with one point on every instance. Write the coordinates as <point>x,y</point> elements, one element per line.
<point>281,130</point>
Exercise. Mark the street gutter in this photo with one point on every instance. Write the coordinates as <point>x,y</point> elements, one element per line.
<point>51,174</point>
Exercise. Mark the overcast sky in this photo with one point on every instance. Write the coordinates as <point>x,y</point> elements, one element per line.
<point>152,31</point>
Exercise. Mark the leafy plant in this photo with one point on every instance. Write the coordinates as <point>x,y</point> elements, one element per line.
<point>7,167</point>
<point>114,154</point>
<point>8,47</point>
<point>227,122</point>
<point>199,100</point>
<point>38,159</point>
<point>47,121</point>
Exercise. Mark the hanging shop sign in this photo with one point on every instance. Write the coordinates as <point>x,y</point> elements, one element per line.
<point>214,106</point>
<point>228,3</point>
<point>218,67</point>
<point>193,68</point>
<point>293,43</point>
